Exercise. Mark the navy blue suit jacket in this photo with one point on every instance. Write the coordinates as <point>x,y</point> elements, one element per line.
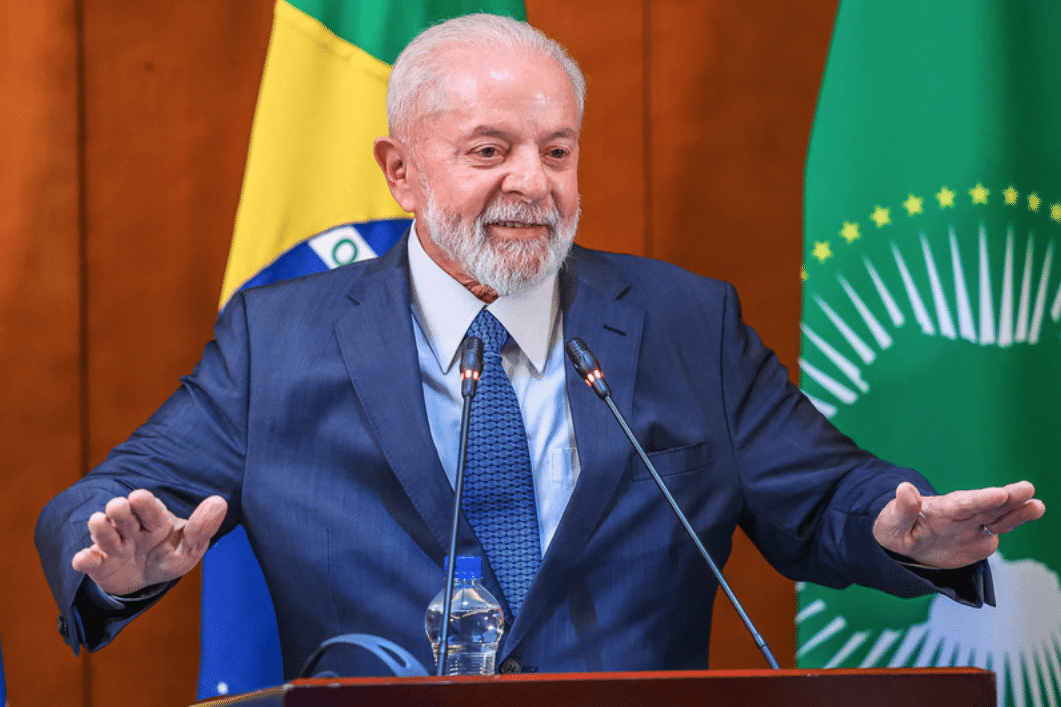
<point>307,414</point>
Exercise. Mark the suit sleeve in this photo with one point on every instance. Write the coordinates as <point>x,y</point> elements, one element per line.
<point>191,448</point>
<point>811,494</point>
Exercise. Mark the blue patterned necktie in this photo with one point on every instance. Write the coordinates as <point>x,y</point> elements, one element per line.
<point>498,486</point>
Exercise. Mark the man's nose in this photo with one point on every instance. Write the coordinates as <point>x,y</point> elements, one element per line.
<point>527,175</point>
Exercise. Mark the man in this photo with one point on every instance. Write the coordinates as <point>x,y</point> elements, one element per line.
<point>324,419</point>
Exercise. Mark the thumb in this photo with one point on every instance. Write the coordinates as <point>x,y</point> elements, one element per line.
<point>897,519</point>
<point>203,524</point>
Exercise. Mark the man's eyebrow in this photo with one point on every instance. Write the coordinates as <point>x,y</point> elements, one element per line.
<point>564,133</point>
<point>490,131</point>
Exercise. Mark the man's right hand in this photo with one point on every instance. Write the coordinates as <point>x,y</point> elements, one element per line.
<point>138,542</point>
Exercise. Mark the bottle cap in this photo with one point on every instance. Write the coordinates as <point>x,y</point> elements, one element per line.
<point>468,567</point>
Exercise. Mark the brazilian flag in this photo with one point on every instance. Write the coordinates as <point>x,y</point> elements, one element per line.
<point>932,308</point>
<point>3,684</point>
<point>313,199</point>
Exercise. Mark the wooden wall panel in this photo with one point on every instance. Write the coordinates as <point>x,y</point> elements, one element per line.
<point>170,93</point>
<point>606,39</point>
<point>732,90</point>
<point>40,435</point>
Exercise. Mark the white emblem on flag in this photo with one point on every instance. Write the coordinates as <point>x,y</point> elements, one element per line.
<point>341,245</point>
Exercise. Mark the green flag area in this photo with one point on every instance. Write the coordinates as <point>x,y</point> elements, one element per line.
<point>932,308</point>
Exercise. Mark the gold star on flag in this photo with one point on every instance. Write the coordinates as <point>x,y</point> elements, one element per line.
<point>1011,196</point>
<point>803,273</point>
<point>822,251</point>
<point>979,193</point>
<point>1055,212</point>
<point>945,198</point>
<point>850,232</point>
<point>881,216</point>
<point>913,204</point>
<point>1034,201</point>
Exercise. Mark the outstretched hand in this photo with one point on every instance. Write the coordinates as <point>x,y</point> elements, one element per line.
<point>956,529</point>
<point>137,542</point>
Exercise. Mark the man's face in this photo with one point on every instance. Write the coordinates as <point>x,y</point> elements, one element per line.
<point>494,173</point>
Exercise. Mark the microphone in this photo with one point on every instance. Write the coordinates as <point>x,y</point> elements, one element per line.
<point>471,367</point>
<point>587,366</point>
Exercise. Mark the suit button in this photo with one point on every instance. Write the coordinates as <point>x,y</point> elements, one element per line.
<point>63,630</point>
<point>510,666</point>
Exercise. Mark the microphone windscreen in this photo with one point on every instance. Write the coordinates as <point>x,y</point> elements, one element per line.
<point>583,359</point>
<point>471,363</point>
<point>471,358</point>
<point>587,366</point>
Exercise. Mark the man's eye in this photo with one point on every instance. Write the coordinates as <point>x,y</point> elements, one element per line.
<point>558,153</point>
<point>488,152</point>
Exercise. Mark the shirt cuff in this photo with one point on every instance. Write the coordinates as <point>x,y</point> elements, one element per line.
<point>104,600</point>
<point>970,585</point>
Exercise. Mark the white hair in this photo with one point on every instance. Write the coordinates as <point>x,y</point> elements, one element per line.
<point>418,82</point>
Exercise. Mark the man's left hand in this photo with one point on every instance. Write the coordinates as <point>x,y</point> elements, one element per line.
<point>956,529</point>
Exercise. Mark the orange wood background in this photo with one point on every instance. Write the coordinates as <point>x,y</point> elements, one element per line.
<point>123,134</point>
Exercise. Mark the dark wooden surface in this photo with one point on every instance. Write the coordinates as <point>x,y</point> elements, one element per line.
<point>914,687</point>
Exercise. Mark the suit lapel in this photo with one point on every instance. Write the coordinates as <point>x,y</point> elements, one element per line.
<point>379,349</point>
<point>593,311</point>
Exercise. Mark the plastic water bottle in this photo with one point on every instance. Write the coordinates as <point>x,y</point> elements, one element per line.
<point>475,625</point>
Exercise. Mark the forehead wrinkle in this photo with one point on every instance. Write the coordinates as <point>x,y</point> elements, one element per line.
<point>487,130</point>
<point>490,131</point>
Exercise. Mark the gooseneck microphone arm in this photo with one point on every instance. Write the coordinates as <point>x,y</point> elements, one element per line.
<point>587,366</point>
<point>471,367</point>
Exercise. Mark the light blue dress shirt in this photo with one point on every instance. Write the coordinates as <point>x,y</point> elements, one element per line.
<point>443,309</point>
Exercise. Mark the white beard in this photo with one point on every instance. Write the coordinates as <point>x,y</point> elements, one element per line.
<point>508,267</point>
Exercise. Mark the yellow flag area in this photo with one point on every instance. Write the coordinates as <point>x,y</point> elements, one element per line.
<point>310,165</point>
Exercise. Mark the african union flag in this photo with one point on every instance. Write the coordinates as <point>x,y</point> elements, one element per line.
<point>313,199</point>
<point>932,308</point>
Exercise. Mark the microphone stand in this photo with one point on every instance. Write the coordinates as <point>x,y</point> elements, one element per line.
<point>587,366</point>
<point>471,366</point>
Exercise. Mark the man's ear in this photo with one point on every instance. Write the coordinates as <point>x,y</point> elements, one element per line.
<point>393,158</point>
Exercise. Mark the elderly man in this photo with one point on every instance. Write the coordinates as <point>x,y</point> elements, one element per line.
<point>324,418</point>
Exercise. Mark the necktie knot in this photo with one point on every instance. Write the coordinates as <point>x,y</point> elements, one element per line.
<point>490,330</point>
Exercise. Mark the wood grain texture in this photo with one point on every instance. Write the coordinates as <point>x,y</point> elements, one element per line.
<point>40,432</point>
<point>606,39</point>
<point>170,92</point>
<point>732,91</point>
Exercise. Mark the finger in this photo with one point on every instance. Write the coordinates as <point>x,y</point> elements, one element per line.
<point>1026,512</point>
<point>969,505</point>
<point>122,517</point>
<point>1019,493</point>
<point>1008,497</point>
<point>983,506</point>
<point>88,560</point>
<point>104,535</point>
<point>151,512</point>
<point>203,524</point>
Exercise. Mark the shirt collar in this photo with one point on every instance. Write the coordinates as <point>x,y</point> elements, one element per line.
<point>444,309</point>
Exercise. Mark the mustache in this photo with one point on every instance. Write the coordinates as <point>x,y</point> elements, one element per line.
<point>520,212</point>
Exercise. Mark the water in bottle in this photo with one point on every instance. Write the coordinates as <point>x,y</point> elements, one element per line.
<point>476,622</point>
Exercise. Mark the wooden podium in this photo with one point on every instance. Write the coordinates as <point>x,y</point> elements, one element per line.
<point>907,687</point>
